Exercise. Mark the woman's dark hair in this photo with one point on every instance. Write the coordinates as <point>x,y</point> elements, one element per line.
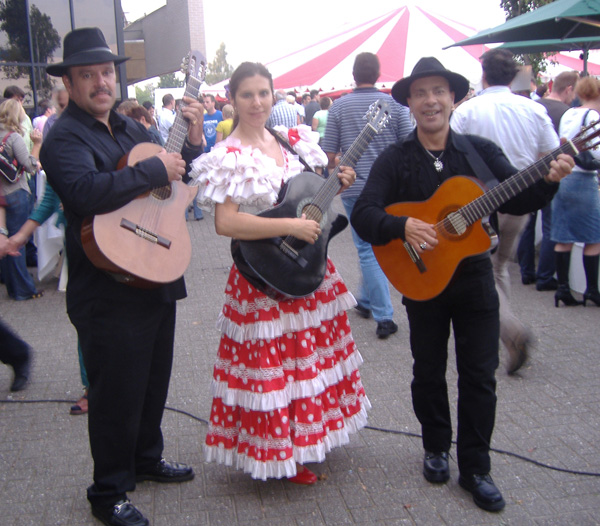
<point>243,71</point>
<point>324,103</point>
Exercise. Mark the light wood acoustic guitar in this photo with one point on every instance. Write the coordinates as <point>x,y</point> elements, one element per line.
<point>286,267</point>
<point>459,211</point>
<point>146,243</point>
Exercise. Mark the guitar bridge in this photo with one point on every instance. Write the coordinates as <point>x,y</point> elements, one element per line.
<point>416,259</point>
<point>293,254</point>
<point>144,233</point>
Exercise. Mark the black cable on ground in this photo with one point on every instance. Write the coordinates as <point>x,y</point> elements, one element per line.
<point>372,428</point>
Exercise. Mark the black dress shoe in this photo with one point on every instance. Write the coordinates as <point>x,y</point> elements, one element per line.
<point>363,312</point>
<point>435,467</point>
<point>21,374</point>
<point>123,513</point>
<point>485,493</point>
<point>386,328</point>
<point>526,280</point>
<point>165,471</point>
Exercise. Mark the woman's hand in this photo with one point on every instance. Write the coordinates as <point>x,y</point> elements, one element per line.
<point>347,176</point>
<point>36,137</point>
<point>305,229</point>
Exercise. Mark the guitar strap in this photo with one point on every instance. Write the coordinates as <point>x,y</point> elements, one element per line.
<point>284,142</point>
<point>475,161</point>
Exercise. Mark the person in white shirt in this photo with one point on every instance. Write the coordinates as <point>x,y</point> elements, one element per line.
<point>523,129</point>
<point>166,116</point>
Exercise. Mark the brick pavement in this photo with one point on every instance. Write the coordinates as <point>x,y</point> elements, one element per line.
<point>550,413</point>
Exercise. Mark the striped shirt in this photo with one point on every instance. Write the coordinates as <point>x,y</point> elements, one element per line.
<point>283,114</point>
<point>346,120</point>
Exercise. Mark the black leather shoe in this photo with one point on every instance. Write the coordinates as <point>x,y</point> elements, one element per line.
<point>435,467</point>
<point>123,513</point>
<point>21,374</point>
<point>165,471</point>
<point>363,312</point>
<point>386,328</point>
<point>485,493</point>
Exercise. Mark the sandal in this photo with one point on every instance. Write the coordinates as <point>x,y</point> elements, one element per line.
<point>81,407</point>
<point>36,296</point>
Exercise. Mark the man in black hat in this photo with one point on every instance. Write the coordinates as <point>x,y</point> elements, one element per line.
<point>126,333</point>
<point>411,170</point>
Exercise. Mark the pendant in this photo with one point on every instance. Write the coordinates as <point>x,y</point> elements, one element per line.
<point>438,165</point>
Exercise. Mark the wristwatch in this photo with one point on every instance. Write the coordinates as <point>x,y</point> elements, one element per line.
<point>3,231</point>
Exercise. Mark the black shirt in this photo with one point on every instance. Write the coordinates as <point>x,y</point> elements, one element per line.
<point>405,172</point>
<point>80,156</point>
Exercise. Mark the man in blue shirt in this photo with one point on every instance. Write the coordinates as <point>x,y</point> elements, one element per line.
<point>212,117</point>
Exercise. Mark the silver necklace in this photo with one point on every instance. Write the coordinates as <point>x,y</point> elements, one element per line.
<point>437,162</point>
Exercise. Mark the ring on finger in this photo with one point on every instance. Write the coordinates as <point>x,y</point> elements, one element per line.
<point>423,245</point>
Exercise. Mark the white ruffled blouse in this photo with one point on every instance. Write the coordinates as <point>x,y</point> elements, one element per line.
<point>247,176</point>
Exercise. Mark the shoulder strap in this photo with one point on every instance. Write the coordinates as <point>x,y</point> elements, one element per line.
<point>6,138</point>
<point>480,168</point>
<point>284,142</point>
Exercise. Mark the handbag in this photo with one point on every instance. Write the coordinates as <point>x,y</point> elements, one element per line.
<point>9,167</point>
<point>585,159</point>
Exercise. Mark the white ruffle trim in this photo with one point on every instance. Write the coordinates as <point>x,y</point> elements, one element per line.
<point>287,322</point>
<point>308,146</point>
<point>263,470</point>
<point>292,391</point>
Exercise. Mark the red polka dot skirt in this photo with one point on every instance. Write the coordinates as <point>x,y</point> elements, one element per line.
<point>286,385</point>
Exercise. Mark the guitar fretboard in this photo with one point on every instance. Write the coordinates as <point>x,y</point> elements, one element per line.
<point>493,199</point>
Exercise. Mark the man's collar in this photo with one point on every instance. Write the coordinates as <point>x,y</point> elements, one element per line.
<point>115,120</point>
<point>495,89</point>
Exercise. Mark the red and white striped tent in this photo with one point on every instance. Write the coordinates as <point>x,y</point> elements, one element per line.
<point>399,38</point>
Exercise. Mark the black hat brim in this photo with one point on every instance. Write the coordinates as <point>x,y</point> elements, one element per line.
<point>458,84</point>
<point>84,58</point>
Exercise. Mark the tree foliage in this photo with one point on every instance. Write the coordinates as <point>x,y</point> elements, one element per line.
<point>170,80</point>
<point>45,40</point>
<point>218,69</point>
<point>514,8</point>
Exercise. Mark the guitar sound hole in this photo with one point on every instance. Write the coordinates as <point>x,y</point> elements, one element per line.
<point>162,193</point>
<point>313,212</point>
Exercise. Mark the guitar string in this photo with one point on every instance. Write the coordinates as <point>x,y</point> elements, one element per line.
<point>498,195</point>
<point>331,186</point>
<point>150,218</point>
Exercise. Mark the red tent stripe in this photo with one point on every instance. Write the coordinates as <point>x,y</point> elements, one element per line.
<point>455,35</point>
<point>392,54</point>
<point>310,72</point>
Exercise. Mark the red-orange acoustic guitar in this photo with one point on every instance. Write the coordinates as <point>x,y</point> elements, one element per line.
<point>459,210</point>
<point>146,242</point>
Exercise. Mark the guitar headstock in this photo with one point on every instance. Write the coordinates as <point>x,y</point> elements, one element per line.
<point>194,65</point>
<point>378,114</point>
<point>588,138</point>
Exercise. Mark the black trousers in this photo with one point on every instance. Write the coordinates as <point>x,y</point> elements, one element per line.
<point>13,350</point>
<point>128,352</point>
<point>470,305</point>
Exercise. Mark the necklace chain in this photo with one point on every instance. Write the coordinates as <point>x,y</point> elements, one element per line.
<point>437,161</point>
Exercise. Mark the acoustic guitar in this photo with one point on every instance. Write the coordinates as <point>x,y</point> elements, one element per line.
<point>459,211</point>
<point>288,267</point>
<point>146,243</point>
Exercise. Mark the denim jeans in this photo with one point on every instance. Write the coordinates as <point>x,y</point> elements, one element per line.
<point>197,211</point>
<point>374,289</point>
<point>19,283</point>
<point>526,249</point>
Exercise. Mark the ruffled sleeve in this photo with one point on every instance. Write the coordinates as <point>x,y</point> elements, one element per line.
<point>305,143</point>
<point>245,175</point>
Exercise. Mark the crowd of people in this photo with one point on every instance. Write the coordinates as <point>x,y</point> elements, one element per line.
<point>286,386</point>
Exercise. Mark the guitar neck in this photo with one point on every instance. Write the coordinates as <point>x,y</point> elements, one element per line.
<point>350,158</point>
<point>179,129</point>
<point>494,198</point>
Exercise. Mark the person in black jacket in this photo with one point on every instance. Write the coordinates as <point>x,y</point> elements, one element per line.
<point>411,170</point>
<point>126,333</point>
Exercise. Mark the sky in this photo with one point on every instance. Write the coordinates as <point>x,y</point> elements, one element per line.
<point>264,30</point>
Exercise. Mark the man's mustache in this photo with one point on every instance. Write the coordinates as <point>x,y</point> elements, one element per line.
<point>102,90</point>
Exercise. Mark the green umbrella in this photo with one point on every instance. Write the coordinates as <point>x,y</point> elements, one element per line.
<point>563,19</point>
<point>564,25</point>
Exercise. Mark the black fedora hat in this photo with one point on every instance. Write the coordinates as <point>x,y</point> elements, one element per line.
<point>430,67</point>
<point>83,46</point>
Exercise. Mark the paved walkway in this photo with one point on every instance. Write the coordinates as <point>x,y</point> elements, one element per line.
<point>549,413</point>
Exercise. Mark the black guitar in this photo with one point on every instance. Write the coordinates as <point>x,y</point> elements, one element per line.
<point>288,267</point>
